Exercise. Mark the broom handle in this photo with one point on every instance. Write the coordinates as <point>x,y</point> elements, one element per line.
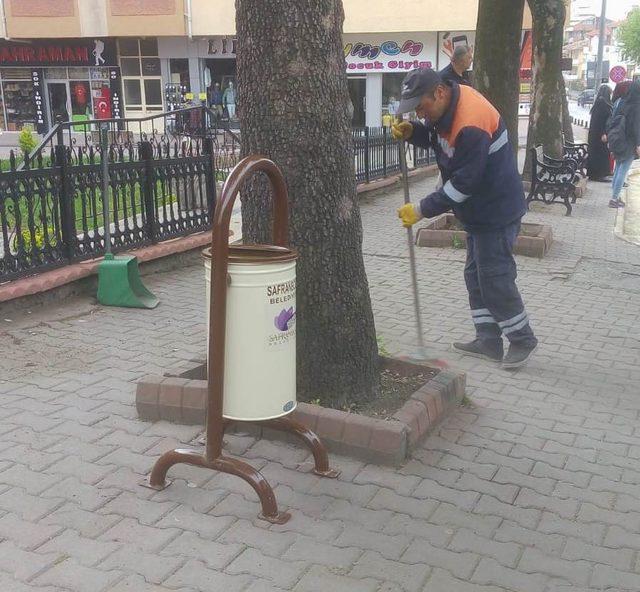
<point>411,243</point>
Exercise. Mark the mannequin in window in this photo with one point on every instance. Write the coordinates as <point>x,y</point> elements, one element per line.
<point>216,99</point>
<point>229,100</point>
<point>393,106</point>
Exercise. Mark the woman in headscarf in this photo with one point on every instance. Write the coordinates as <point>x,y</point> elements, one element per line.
<point>624,139</point>
<point>598,164</point>
<point>619,92</point>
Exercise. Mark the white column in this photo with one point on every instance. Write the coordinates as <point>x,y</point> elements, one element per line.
<point>374,100</point>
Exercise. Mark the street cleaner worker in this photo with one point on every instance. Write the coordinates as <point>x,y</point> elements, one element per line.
<point>481,185</point>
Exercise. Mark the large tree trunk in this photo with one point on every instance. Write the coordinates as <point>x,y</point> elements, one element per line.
<point>293,107</point>
<point>496,67</point>
<point>545,119</point>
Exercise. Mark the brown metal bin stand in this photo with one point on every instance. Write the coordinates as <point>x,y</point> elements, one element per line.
<point>213,457</point>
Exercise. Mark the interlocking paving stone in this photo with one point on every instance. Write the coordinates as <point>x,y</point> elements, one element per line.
<point>533,487</point>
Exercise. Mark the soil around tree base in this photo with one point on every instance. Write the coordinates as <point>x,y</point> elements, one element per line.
<point>395,391</point>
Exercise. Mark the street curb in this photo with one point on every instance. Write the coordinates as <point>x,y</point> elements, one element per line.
<point>619,225</point>
<point>82,278</point>
<point>182,399</point>
<point>430,170</point>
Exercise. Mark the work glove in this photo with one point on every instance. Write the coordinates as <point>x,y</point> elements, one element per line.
<point>401,130</point>
<point>410,214</point>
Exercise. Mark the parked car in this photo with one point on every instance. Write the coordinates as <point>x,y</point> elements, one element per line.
<point>586,97</point>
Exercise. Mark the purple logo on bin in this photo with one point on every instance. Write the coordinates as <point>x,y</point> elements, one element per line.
<point>284,319</point>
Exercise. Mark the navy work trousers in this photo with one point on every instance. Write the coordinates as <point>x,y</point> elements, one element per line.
<point>490,274</point>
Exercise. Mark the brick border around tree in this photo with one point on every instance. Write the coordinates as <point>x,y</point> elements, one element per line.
<point>437,234</point>
<point>181,399</point>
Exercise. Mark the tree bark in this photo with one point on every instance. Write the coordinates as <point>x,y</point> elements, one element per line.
<point>545,119</point>
<point>496,67</point>
<point>293,107</point>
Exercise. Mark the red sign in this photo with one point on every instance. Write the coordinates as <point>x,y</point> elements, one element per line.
<point>53,54</point>
<point>56,52</point>
<point>618,74</point>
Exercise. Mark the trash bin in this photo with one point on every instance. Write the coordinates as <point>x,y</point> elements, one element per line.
<point>260,350</point>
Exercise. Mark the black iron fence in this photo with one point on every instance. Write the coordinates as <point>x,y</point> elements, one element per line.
<point>376,154</point>
<point>163,172</point>
<point>162,180</point>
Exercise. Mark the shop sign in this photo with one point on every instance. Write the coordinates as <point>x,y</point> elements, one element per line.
<point>388,54</point>
<point>57,52</point>
<point>115,84</point>
<point>447,43</point>
<point>38,100</point>
<point>220,47</point>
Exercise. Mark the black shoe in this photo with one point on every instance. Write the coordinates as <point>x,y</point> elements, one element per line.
<point>519,354</point>
<point>480,349</point>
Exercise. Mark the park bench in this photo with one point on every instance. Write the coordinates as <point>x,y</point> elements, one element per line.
<point>553,180</point>
<point>578,152</point>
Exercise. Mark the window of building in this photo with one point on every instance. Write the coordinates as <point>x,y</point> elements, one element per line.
<point>141,74</point>
<point>391,85</point>
<point>17,108</point>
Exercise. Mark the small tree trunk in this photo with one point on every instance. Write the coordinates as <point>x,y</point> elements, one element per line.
<point>545,119</point>
<point>293,106</point>
<point>496,68</point>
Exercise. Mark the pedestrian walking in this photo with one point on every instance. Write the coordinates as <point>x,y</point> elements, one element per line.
<point>482,186</point>
<point>598,162</point>
<point>623,136</point>
<point>458,69</point>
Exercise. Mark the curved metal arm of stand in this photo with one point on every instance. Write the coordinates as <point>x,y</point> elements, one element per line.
<point>219,261</point>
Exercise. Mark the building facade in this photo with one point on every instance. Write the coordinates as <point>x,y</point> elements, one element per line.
<point>581,45</point>
<point>79,59</point>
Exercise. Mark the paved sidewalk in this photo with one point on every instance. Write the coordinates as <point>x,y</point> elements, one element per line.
<point>533,488</point>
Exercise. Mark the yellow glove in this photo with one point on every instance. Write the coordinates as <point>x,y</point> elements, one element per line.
<point>401,130</point>
<point>410,214</point>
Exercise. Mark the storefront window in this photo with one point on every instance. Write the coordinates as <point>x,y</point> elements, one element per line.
<point>128,47</point>
<point>391,86</point>
<point>132,93</point>
<point>222,87</point>
<point>153,92</point>
<point>130,66</point>
<point>80,100</point>
<point>151,67</point>
<point>78,73</point>
<point>55,73</point>
<point>60,84</point>
<point>141,74</point>
<point>19,108</point>
<point>149,46</point>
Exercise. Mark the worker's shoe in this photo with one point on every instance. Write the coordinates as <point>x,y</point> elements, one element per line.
<point>519,354</point>
<point>488,350</point>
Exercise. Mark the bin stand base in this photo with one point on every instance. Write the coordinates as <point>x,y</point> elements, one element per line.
<point>158,478</point>
<point>309,438</point>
